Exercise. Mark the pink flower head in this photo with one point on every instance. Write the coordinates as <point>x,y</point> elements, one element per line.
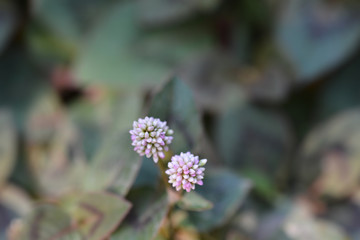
<point>186,170</point>
<point>151,137</point>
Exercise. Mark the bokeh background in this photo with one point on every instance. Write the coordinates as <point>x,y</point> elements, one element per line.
<point>267,90</point>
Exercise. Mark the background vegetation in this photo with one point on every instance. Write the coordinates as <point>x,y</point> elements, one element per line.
<point>267,90</point>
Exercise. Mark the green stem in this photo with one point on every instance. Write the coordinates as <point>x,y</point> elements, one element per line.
<point>162,163</point>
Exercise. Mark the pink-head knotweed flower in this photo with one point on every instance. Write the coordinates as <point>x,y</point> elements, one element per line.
<point>186,170</point>
<point>151,137</point>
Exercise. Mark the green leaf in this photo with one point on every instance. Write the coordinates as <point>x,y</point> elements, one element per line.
<point>269,82</point>
<point>43,119</point>
<point>23,83</point>
<point>227,191</point>
<point>146,225</point>
<point>113,111</point>
<point>7,146</point>
<point>49,222</point>
<point>119,47</point>
<point>97,214</point>
<point>316,45</point>
<point>253,138</point>
<point>261,184</point>
<point>115,165</point>
<point>92,121</point>
<point>71,19</point>
<point>340,91</point>
<point>175,104</point>
<point>163,12</point>
<point>194,202</point>
<point>54,153</point>
<point>148,175</point>
<point>213,80</point>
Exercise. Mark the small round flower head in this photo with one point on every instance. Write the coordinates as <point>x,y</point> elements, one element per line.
<point>186,170</point>
<point>151,137</point>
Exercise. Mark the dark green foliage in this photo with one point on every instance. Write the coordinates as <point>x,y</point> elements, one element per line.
<point>268,91</point>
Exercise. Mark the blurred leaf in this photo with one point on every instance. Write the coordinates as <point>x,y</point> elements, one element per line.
<point>117,49</point>
<point>247,218</point>
<point>148,175</point>
<point>347,215</point>
<point>175,104</point>
<point>268,83</point>
<point>339,175</point>
<point>212,78</point>
<point>271,222</point>
<point>20,83</point>
<point>165,12</point>
<point>43,118</point>
<point>93,119</point>
<point>8,22</point>
<point>261,184</point>
<point>142,198</point>
<point>300,225</point>
<point>296,222</point>
<point>185,230</point>
<point>185,234</point>
<point>146,225</point>
<point>332,149</point>
<point>99,117</point>
<point>341,91</point>
<point>115,166</point>
<point>7,145</point>
<point>47,48</point>
<point>49,222</point>
<point>256,12</point>
<point>15,199</point>
<point>318,35</point>
<point>227,191</point>
<point>194,202</point>
<point>54,152</point>
<point>14,203</point>
<point>6,217</point>
<point>98,214</point>
<point>254,139</point>
<point>70,20</point>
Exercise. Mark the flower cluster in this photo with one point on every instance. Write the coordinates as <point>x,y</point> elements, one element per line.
<point>186,170</point>
<point>151,137</point>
